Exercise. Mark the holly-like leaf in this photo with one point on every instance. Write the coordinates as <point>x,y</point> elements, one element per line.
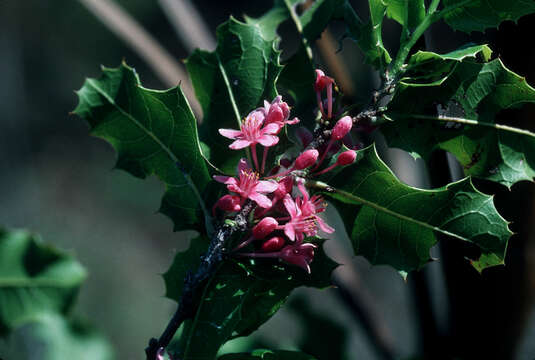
<point>268,355</point>
<point>153,132</point>
<point>240,298</point>
<point>52,337</point>
<point>408,13</point>
<point>35,279</point>
<point>232,81</point>
<point>458,101</point>
<point>478,15</point>
<point>396,224</point>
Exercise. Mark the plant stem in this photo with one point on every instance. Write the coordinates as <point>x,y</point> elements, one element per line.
<point>406,47</point>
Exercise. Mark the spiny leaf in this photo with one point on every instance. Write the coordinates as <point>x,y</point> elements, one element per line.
<point>408,13</point>
<point>239,298</point>
<point>268,355</point>
<point>395,224</point>
<point>153,132</point>
<point>52,337</point>
<point>34,279</point>
<point>478,15</point>
<point>232,81</point>
<point>458,101</point>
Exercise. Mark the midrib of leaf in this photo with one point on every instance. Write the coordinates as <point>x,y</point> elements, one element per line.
<point>329,189</point>
<point>299,27</point>
<point>173,157</point>
<point>473,122</point>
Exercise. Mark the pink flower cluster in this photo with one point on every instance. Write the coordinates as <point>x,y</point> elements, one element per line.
<point>285,214</point>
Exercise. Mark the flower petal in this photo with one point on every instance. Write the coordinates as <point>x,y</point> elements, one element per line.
<point>265,186</point>
<point>272,128</point>
<point>290,206</point>
<point>266,140</point>
<point>243,165</point>
<point>293,121</point>
<point>323,226</point>
<point>230,133</point>
<point>227,180</point>
<point>289,231</point>
<point>261,200</point>
<point>239,144</point>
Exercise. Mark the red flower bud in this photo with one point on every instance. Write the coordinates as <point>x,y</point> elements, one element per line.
<point>306,159</point>
<point>346,158</point>
<point>274,244</point>
<point>265,227</point>
<point>342,127</point>
<point>229,203</point>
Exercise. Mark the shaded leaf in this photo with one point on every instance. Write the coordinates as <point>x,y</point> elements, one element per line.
<point>153,132</point>
<point>396,223</point>
<point>478,15</point>
<point>232,81</point>
<point>457,109</point>
<point>35,279</point>
<point>241,297</point>
<point>52,337</point>
<point>268,355</point>
<point>408,13</point>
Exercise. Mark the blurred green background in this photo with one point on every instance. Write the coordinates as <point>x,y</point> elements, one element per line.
<point>59,182</point>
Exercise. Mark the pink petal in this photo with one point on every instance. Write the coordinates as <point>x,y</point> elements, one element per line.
<point>243,165</point>
<point>275,115</point>
<point>290,206</point>
<point>265,186</point>
<point>261,200</point>
<point>272,128</point>
<point>293,121</point>
<point>230,133</point>
<point>266,140</point>
<point>323,226</point>
<point>277,99</point>
<point>289,231</point>
<point>304,191</point>
<point>239,144</point>
<point>227,180</point>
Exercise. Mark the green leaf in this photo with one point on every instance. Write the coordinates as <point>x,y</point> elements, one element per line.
<point>409,13</point>
<point>456,111</point>
<point>183,262</point>
<point>153,132</point>
<point>240,298</point>
<point>232,81</point>
<point>268,355</point>
<point>397,225</point>
<point>478,15</point>
<point>34,279</point>
<point>51,337</point>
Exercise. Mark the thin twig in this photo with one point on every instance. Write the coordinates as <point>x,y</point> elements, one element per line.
<point>132,33</point>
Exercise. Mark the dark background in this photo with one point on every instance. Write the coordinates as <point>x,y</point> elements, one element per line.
<point>58,181</point>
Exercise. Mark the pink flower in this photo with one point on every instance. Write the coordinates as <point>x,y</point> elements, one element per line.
<point>278,112</point>
<point>322,81</point>
<point>252,132</point>
<point>346,158</point>
<point>299,225</point>
<point>229,203</point>
<point>300,254</point>
<point>311,207</point>
<point>248,186</point>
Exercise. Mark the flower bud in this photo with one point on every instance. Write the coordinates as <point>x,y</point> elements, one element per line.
<point>265,227</point>
<point>346,158</point>
<point>285,186</point>
<point>274,244</point>
<point>229,203</point>
<point>342,127</point>
<point>306,159</point>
